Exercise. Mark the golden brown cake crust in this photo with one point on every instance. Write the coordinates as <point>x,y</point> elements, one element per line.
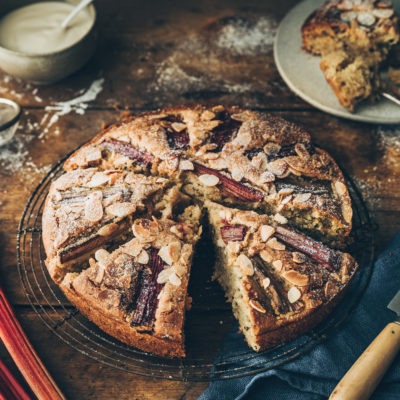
<point>142,169</point>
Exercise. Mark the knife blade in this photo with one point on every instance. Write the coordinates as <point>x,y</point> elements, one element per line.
<point>363,377</point>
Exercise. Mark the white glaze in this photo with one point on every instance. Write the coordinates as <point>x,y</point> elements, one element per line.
<point>36,29</point>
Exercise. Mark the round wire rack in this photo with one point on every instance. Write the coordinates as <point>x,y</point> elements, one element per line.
<point>214,350</point>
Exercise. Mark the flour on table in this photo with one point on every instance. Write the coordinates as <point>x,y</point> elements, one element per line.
<point>245,38</point>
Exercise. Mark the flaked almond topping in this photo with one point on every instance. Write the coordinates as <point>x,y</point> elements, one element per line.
<point>298,258</point>
<point>94,154</point>
<point>94,207</point>
<point>365,18</point>
<point>271,149</point>
<point>280,219</point>
<point>245,265</point>
<point>209,180</point>
<point>179,269</point>
<point>243,139</point>
<point>107,230</point>
<point>348,16</point>
<point>286,200</point>
<point>145,229</point>
<point>340,188</point>
<point>266,256</point>
<point>384,4</point>
<point>285,191</point>
<point>143,257</point>
<point>296,278</point>
<point>237,174</point>
<point>260,161</point>
<point>266,231</point>
<point>120,210</point>
<point>302,197</point>
<point>163,276</point>
<point>226,214</point>
<point>174,279</point>
<point>347,213</point>
<point>257,306</point>
<point>170,253</point>
<point>301,151</point>
<point>266,282</point>
<point>98,179</point>
<point>267,177</point>
<point>274,244</point>
<point>100,274</point>
<point>382,13</point>
<point>207,115</point>
<point>330,289</point>
<point>186,165</point>
<point>175,230</point>
<point>294,294</point>
<point>103,257</point>
<point>277,167</point>
<point>177,126</point>
<point>277,264</point>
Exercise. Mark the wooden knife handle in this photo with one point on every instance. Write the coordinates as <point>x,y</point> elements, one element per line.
<point>363,377</point>
<point>24,356</point>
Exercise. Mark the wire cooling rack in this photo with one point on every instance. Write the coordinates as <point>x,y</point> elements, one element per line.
<point>209,322</point>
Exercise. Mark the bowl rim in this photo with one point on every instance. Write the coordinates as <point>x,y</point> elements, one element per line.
<point>41,55</point>
<point>14,119</point>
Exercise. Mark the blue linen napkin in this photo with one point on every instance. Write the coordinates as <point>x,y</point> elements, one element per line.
<point>315,374</point>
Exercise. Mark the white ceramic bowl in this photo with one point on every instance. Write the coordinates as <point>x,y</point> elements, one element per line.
<point>50,67</point>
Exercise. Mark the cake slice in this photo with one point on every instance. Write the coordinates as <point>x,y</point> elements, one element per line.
<point>280,282</point>
<point>87,208</point>
<point>352,78</point>
<point>138,292</point>
<point>354,38</point>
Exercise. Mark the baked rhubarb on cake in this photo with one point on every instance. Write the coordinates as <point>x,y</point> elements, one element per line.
<point>120,226</point>
<point>280,282</point>
<point>237,157</point>
<point>354,38</point>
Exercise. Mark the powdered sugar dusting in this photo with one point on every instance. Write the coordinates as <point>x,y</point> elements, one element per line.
<point>244,38</point>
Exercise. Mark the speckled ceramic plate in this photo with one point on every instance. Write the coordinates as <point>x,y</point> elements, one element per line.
<point>303,75</point>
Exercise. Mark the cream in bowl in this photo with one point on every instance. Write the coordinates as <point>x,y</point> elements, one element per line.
<point>10,112</point>
<point>34,46</point>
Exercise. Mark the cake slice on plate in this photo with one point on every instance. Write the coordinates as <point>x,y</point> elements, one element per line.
<point>280,282</point>
<point>138,292</point>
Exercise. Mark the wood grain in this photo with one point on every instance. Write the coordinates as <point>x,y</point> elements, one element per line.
<point>154,54</point>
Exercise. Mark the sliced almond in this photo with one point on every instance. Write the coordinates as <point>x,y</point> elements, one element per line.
<point>286,191</point>
<point>271,149</point>
<point>260,161</point>
<point>257,306</point>
<point>103,257</point>
<point>301,151</point>
<point>186,165</point>
<point>98,179</point>
<point>298,258</point>
<point>340,188</point>
<point>383,13</point>
<point>296,278</point>
<point>294,294</point>
<point>366,18</point>
<point>267,177</point>
<point>143,257</point>
<point>237,174</point>
<point>266,282</point>
<point>209,180</point>
<point>280,219</point>
<point>93,207</point>
<point>133,247</point>
<point>207,115</point>
<point>100,274</point>
<point>177,126</point>
<point>174,279</point>
<point>277,167</point>
<point>302,197</point>
<point>274,244</point>
<point>277,264</point>
<point>286,200</point>
<point>120,210</point>
<point>170,253</point>
<point>266,231</point>
<point>107,230</point>
<point>145,229</point>
<point>266,256</point>
<point>163,276</point>
<point>330,290</point>
<point>245,265</point>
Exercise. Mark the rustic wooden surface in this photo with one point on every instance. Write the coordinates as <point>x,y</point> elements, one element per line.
<point>153,54</point>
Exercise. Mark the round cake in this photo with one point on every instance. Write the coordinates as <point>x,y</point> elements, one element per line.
<point>121,225</point>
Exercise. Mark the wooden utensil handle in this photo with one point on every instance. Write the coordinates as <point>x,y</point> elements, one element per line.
<point>362,378</point>
<point>24,356</point>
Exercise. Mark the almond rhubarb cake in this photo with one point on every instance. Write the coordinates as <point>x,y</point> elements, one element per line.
<point>121,225</point>
<point>354,38</point>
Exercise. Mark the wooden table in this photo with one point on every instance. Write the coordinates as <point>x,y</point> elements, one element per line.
<point>153,54</point>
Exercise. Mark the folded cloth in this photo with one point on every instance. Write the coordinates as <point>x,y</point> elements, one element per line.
<point>315,374</point>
